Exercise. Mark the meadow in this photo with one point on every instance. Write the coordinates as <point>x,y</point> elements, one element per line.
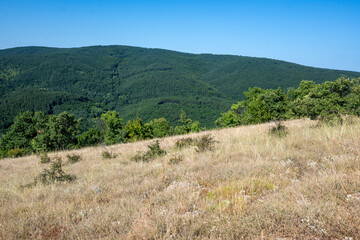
<point>252,185</point>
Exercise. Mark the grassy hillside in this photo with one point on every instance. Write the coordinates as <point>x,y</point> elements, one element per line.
<point>252,185</point>
<point>137,82</point>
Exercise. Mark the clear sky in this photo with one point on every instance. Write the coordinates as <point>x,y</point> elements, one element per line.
<point>320,33</point>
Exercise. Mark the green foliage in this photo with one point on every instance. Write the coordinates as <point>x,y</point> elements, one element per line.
<point>114,132</point>
<point>54,174</point>
<point>90,138</point>
<point>153,152</point>
<point>186,125</point>
<point>26,126</point>
<point>231,118</point>
<point>73,158</point>
<point>161,127</point>
<point>260,106</point>
<point>136,130</point>
<point>44,158</point>
<point>279,130</point>
<point>327,102</point>
<point>60,132</point>
<point>16,152</point>
<point>35,132</point>
<point>3,153</point>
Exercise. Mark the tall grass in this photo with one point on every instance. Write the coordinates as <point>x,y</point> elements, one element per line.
<point>305,185</point>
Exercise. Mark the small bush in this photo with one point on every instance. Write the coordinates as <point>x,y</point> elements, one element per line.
<point>185,143</point>
<point>279,130</point>
<point>153,152</point>
<point>54,174</point>
<point>16,152</point>
<point>73,158</point>
<point>176,159</point>
<point>44,158</point>
<point>108,155</point>
<point>205,143</point>
<point>202,144</point>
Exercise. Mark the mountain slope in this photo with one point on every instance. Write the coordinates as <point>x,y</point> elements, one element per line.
<point>137,82</point>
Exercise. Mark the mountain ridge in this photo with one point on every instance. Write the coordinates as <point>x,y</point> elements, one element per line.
<point>138,82</point>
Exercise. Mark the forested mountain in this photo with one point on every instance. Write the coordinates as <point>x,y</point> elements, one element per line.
<point>138,82</point>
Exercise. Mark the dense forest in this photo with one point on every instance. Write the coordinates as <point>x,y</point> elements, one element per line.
<point>137,83</point>
<point>36,132</point>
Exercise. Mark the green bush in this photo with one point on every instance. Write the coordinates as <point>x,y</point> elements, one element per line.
<point>185,142</point>
<point>44,158</point>
<point>108,155</point>
<point>201,144</point>
<point>16,152</point>
<point>205,143</point>
<point>54,174</point>
<point>279,130</point>
<point>153,152</point>
<point>73,158</point>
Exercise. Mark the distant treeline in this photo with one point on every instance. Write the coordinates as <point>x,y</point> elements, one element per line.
<point>36,132</point>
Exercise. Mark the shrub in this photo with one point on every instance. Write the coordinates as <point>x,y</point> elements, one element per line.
<point>176,159</point>
<point>54,174</point>
<point>279,130</point>
<point>108,155</point>
<point>73,158</point>
<point>202,144</point>
<point>153,152</point>
<point>185,143</point>
<point>44,158</point>
<point>16,152</point>
<point>205,143</point>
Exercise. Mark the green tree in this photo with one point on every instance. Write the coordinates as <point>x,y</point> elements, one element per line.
<point>90,138</point>
<point>136,130</point>
<point>232,117</point>
<point>328,100</point>
<point>260,106</point>
<point>186,125</point>
<point>60,132</point>
<point>160,126</point>
<point>114,132</point>
<point>26,127</point>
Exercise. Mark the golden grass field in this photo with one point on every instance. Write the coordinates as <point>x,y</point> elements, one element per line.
<point>252,186</point>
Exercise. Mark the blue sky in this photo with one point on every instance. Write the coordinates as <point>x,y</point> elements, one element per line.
<point>320,33</point>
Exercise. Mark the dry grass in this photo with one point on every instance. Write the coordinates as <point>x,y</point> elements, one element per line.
<point>253,185</point>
